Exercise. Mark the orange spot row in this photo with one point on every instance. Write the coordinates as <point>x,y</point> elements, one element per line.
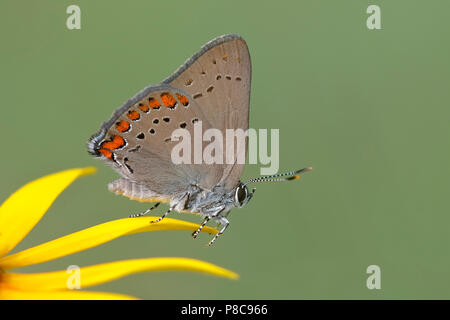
<point>107,153</point>
<point>115,143</point>
<point>168,100</point>
<point>144,107</point>
<point>184,101</point>
<point>154,103</point>
<point>123,126</point>
<point>133,115</point>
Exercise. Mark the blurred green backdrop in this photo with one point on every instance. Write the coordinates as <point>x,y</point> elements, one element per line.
<point>369,110</point>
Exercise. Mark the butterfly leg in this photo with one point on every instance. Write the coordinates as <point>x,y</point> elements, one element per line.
<point>164,215</point>
<point>195,233</point>
<point>225,223</point>
<point>145,212</point>
<point>170,209</point>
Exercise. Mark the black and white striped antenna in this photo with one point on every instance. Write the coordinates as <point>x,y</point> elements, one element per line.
<point>287,176</point>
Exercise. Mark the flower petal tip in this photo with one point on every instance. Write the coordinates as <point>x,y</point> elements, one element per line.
<point>87,170</point>
<point>233,276</point>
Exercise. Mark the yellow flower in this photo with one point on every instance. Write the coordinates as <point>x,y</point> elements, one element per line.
<point>23,210</point>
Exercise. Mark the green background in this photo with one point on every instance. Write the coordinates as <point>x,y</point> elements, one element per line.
<point>368,109</point>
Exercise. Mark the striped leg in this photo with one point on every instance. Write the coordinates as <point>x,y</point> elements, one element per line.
<point>195,233</point>
<point>171,208</point>
<point>225,223</point>
<point>164,215</point>
<point>145,212</point>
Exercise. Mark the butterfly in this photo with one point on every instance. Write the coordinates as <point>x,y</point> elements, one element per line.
<point>211,87</point>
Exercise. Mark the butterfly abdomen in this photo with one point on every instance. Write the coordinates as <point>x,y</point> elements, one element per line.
<point>135,191</point>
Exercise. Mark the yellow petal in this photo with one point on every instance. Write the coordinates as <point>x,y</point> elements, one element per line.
<point>92,237</point>
<point>25,207</point>
<point>97,274</point>
<point>11,294</point>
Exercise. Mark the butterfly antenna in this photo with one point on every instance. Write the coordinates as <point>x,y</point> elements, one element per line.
<point>287,176</point>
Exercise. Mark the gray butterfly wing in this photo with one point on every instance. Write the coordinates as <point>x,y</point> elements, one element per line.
<point>213,86</point>
<point>136,141</point>
<point>219,77</point>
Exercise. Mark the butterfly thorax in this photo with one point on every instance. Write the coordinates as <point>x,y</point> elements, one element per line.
<point>217,201</point>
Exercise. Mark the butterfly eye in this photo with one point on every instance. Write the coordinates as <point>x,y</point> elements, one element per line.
<point>240,197</point>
